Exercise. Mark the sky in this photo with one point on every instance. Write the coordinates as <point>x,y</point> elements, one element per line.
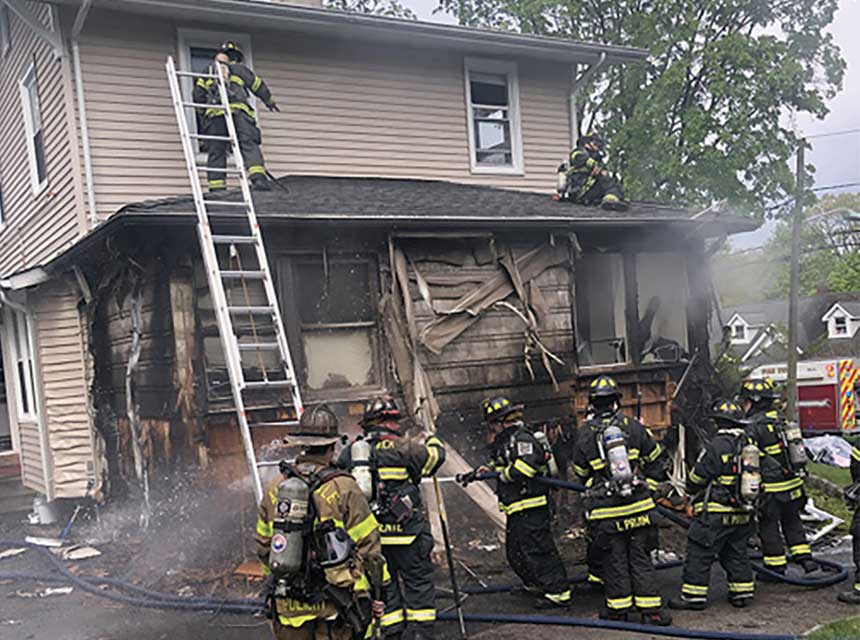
<point>836,158</point>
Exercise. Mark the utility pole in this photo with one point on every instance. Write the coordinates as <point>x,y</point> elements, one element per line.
<point>797,222</point>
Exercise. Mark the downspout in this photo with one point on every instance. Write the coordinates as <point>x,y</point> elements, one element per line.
<point>576,82</point>
<point>80,18</point>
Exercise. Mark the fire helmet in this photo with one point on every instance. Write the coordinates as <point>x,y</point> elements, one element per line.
<point>318,427</point>
<point>603,389</point>
<point>498,408</point>
<point>726,411</point>
<point>380,409</point>
<point>593,138</point>
<point>758,390</point>
<point>232,51</point>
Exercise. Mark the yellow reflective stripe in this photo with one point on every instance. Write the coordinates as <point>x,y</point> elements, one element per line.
<point>773,449</point>
<point>696,478</point>
<point>799,550</point>
<point>594,579</point>
<point>255,169</point>
<point>421,615</point>
<point>619,603</point>
<point>397,540</point>
<point>633,454</point>
<point>694,589</point>
<point>265,529</point>
<point>220,182</point>
<point>257,82</point>
<point>525,468</point>
<point>266,570</point>
<point>741,587</point>
<point>779,487</point>
<point>620,511</point>
<point>392,618</point>
<point>716,507</point>
<point>362,584</point>
<point>775,561</point>
<point>651,457</point>
<point>241,106</point>
<point>432,460</point>
<point>558,598</point>
<point>296,621</point>
<point>648,602</point>
<point>237,80</point>
<point>522,505</point>
<point>855,453</point>
<point>727,480</point>
<point>392,473</point>
<point>363,529</point>
<point>205,83</point>
<point>652,483</point>
<point>506,474</point>
<point>582,473</point>
<point>597,464</point>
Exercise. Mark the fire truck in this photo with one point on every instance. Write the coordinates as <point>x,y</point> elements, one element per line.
<point>827,393</point>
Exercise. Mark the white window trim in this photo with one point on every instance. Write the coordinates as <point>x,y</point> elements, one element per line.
<point>23,84</point>
<point>833,334</point>
<point>5,31</point>
<point>29,380</point>
<point>736,320</point>
<point>203,38</point>
<point>483,65</point>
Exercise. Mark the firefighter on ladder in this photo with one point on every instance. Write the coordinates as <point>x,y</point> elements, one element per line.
<point>318,561</point>
<point>782,483</point>
<point>389,467</point>
<point>241,82</point>
<point>519,457</point>
<point>618,459</point>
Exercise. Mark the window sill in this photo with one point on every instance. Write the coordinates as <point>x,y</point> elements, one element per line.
<point>497,171</point>
<point>39,189</point>
<point>355,394</point>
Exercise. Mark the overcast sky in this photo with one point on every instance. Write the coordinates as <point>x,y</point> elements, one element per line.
<point>837,158</point>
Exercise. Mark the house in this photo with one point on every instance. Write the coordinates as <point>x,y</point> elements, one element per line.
<point>757,332</point>
<point>415,244</point>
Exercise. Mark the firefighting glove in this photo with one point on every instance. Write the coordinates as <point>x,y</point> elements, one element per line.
<point>272,106</point>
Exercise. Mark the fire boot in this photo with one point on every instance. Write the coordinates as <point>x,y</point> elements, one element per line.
<point>657,618</point>
<point>769,578</point>
<point>553,601</point>
<point>611,202</point>
<point>740,602</point>
<point>613,615</point>
<point>850,597</point>
<point>685,604</point>
<point>260,182</point>
<point>809,566</point>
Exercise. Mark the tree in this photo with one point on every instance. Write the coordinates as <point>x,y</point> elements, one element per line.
<point>703,118</point>
<point>388,8</point>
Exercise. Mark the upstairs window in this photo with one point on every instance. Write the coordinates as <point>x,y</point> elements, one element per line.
<point>32,108</point>
<point>739,332</point>
<point>5,32</point>
<point>492,99</point>
<point>840,326</point>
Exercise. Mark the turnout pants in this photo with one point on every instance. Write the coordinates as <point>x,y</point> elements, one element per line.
<point>410,597</point>
<point>709,539</point>
<point>855,548</point>
<point>314,630</point>
<point>595,189</point>
<point>249,142</point>
<point>780,518</point>
<point>627,572</point>
<point>533,556</point>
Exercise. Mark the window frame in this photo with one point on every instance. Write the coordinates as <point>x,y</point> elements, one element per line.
<point>735,321</point>
<point>5,31</point>
<point>834,327</point>
<point>582,302</point>
<point>31,77</point>
<point>23,324</point>
<point>288,298</point>
<point>510,70</point>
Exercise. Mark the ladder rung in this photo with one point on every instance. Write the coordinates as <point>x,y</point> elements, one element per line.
<point>251,275</point>
<point>195,74</point>
<point>234,239</point>
<point>224,203</point>
<point>252,310</point>
<point>259,346</point>
<point>267,384</point>
<point>279,423</point>
<point>202,105</point>
<point>219,169</point>
<point>203,136</point>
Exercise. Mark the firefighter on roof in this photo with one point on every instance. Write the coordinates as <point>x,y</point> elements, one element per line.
<point>782,467</point>
<point>618,459</point>
<point>242,82</point>
<point>725,483</point>
<point>519,455</point>
<point>585,180</point>
<point>318,541</point>
<point>852,500</point>
<point>389,468</point>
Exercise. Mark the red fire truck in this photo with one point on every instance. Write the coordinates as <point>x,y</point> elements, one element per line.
<point>827,393</point>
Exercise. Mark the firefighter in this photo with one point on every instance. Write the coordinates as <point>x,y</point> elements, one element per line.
<point>519,457</point>
<point>309,601</point>
<point>587,180</point>
<point>852,499</point>
<point>784,495</point>
<point>619,461</point>
<point>241,83</point>
<point>396,465</point>
<point>723,523</point>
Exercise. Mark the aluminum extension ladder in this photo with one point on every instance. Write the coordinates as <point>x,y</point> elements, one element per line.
<point>228,232</point>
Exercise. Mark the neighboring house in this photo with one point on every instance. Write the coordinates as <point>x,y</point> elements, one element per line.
<point>420,162</point>
<point>827,326</point>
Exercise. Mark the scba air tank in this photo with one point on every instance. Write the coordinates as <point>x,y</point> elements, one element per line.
<point>291,512</point>
<point>360,452</point>
<point>750,475</point>
<point>794,444</point>
<point>618,459</point>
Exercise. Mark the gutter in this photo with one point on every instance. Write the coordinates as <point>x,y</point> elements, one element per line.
<point>80,19</point>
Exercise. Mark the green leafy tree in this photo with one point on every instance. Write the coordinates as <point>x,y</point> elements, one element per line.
<point>703,118</point>
<point>388,8</point>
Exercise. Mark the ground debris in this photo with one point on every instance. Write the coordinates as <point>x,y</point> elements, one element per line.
<point>44,542</point>
<point>78,552</point>
<point>11,553</point>
<point>44,592</point>
<point>480,545</point>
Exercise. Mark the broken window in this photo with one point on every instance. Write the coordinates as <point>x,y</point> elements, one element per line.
<point>29,89</point>
<point>600,310</point>
<point>20,335</point>
<point>662,281</point>
<point>494,143</point>
<point>335,299</point>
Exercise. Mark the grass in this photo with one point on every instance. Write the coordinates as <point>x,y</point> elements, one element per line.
<point>839,477</point>
<point>839,630</point>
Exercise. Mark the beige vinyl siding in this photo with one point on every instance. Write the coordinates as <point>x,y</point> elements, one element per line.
<point>32,467</point>
<point>64,389</point>
<point>347,108</point>
<point>36,228</point>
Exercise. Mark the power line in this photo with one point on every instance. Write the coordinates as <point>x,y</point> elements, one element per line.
<point>831,134</point>
<point>836,186</point>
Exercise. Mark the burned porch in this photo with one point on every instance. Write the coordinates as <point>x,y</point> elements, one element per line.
<point>439,292</point>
